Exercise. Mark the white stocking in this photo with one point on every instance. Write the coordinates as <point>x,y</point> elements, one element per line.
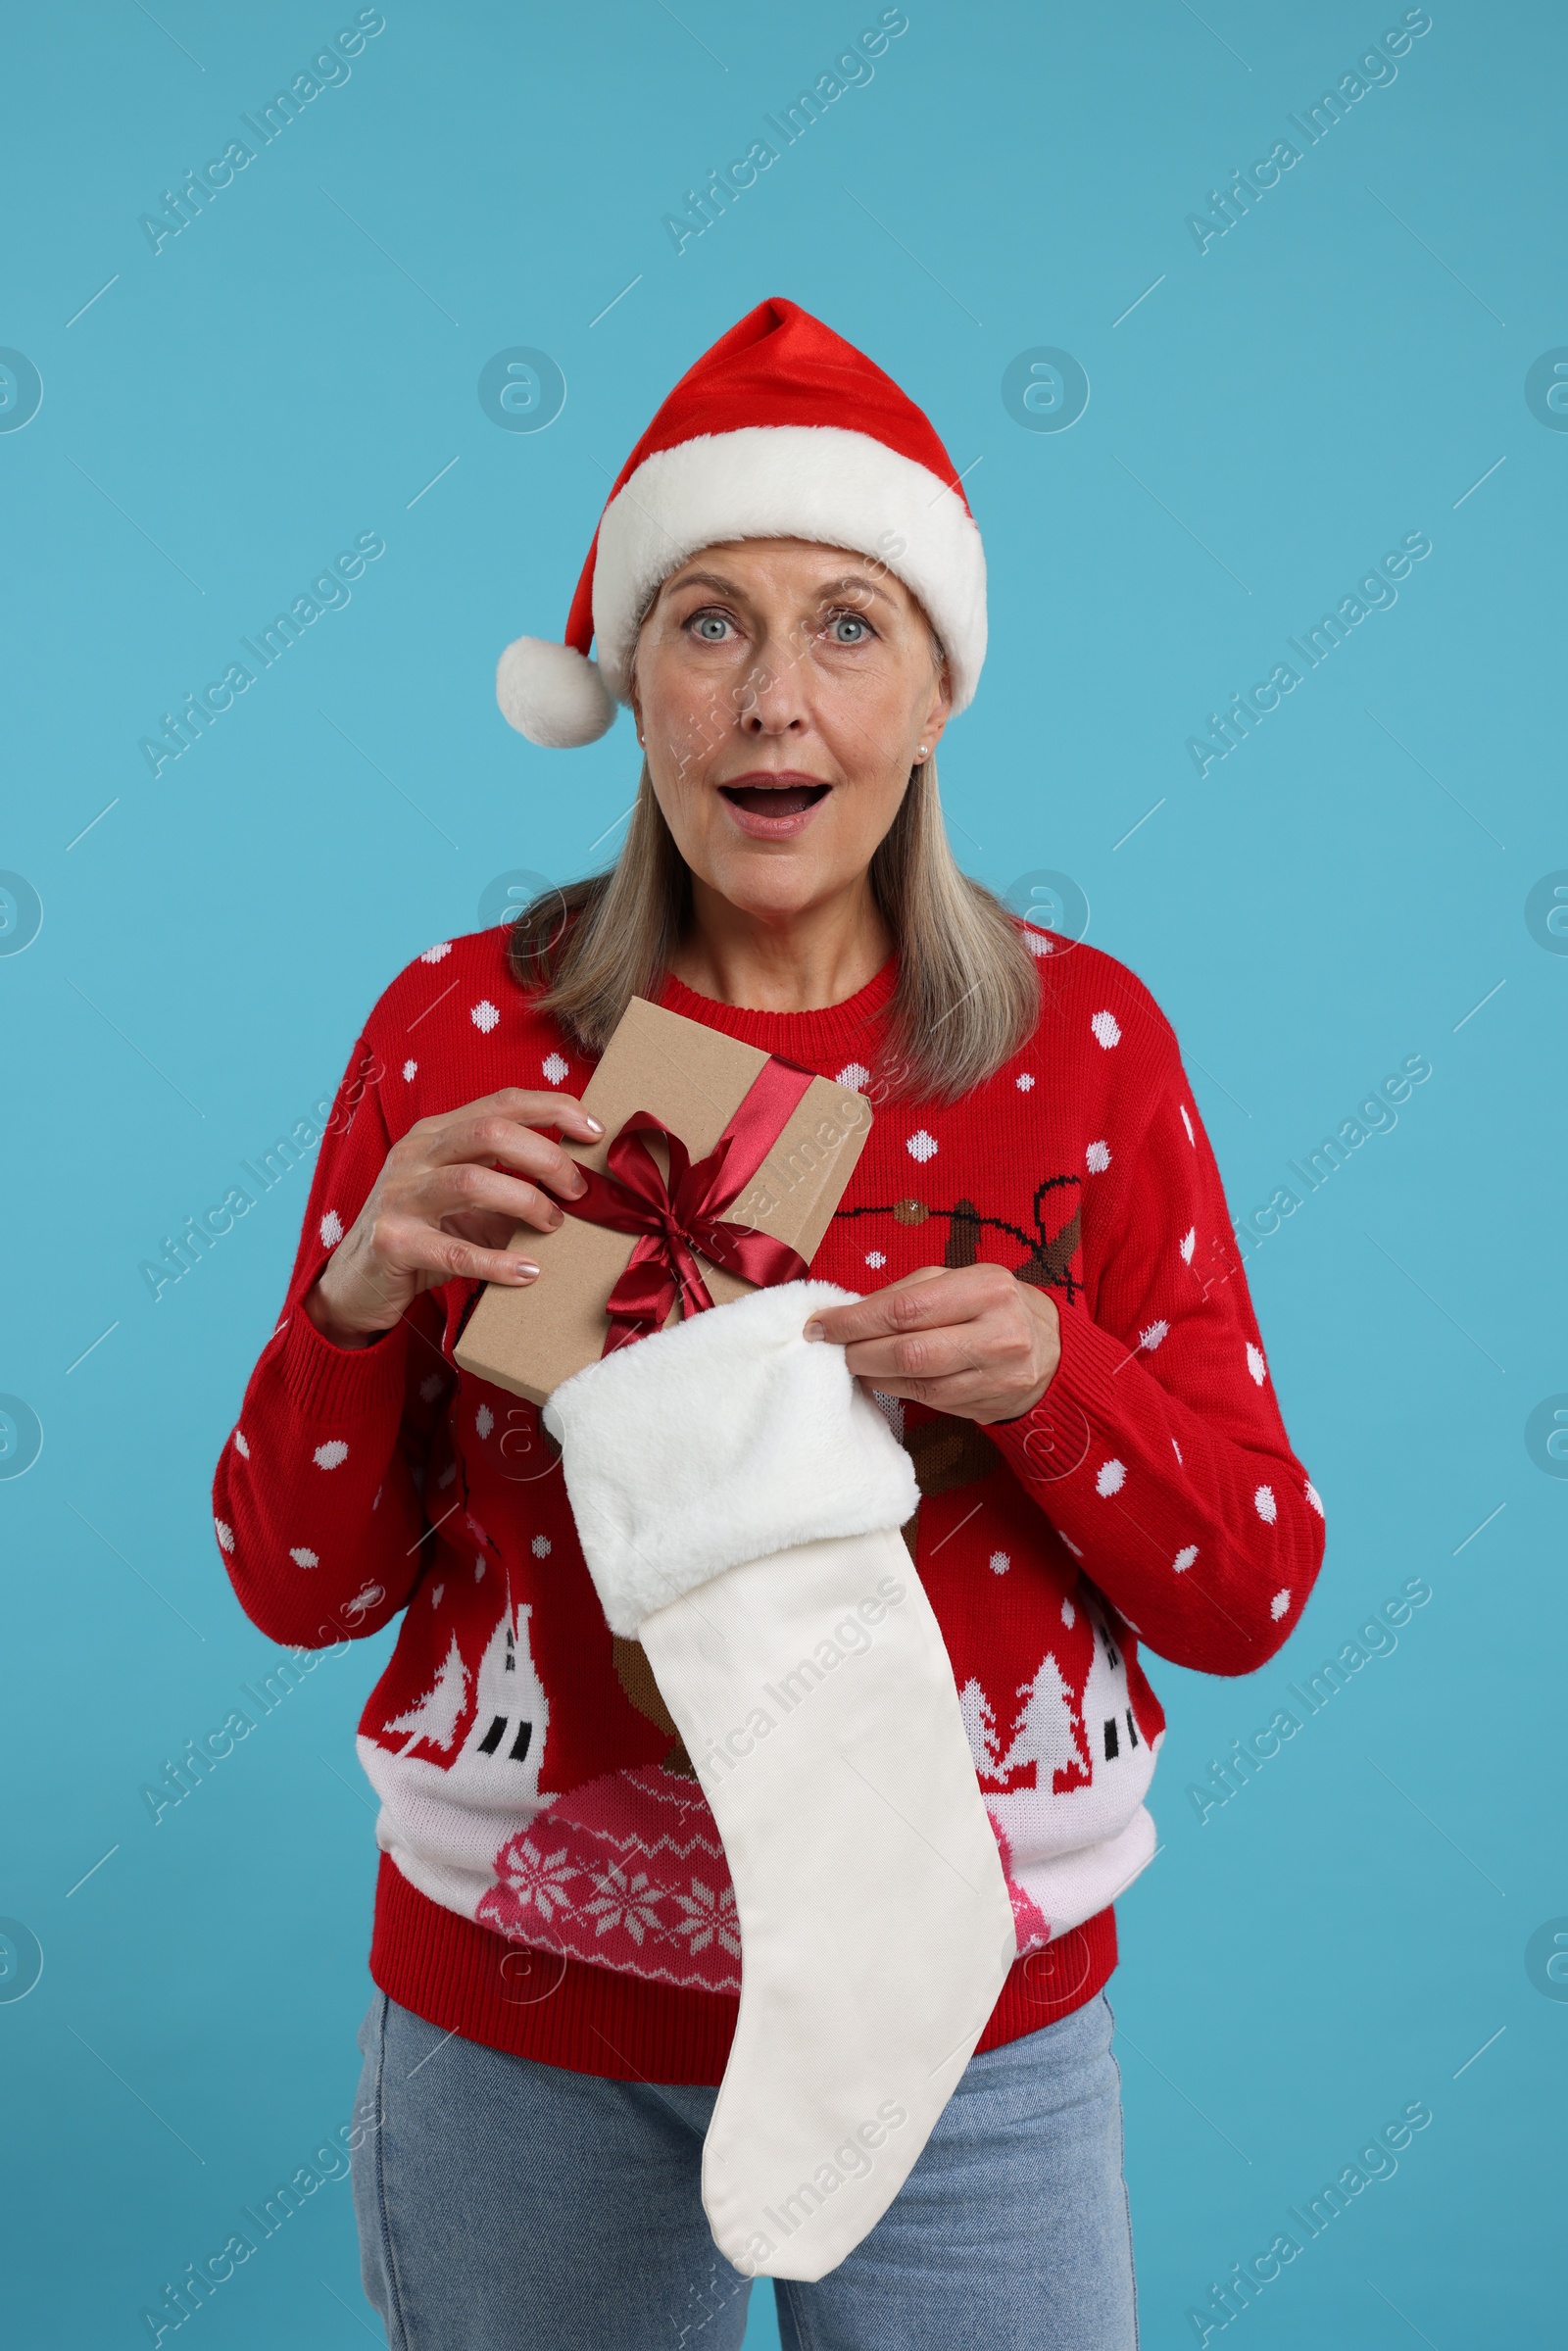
<point>738,1499</point>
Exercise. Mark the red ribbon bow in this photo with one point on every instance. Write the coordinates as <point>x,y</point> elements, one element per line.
<point>675,1216</point>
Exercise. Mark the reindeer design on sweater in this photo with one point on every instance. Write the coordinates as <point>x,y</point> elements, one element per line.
<point>1049,1253</point>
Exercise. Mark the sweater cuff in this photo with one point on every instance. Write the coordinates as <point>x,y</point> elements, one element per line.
<point>328,1382</point>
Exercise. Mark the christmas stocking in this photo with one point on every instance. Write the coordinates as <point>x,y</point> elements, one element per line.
<point>738,1497</point>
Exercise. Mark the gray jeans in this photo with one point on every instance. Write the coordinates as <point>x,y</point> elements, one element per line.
<point>503,2203</point>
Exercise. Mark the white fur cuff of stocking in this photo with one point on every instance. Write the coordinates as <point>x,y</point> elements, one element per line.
<point>720,1440</point>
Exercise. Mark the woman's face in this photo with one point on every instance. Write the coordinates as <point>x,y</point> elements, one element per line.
<point>782,690</point>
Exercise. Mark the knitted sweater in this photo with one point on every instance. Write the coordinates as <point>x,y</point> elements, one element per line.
<point>552,1880</point>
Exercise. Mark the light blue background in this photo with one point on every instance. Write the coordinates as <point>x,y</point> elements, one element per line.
<point>1338,370</point>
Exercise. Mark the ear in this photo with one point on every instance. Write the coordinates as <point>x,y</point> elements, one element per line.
<point>940,707</point>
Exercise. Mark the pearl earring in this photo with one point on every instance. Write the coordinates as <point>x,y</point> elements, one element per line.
<point>922,751</point>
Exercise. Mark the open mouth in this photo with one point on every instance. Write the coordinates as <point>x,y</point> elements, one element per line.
<point>774,799</point>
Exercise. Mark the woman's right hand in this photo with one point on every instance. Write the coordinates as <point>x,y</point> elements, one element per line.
<point>444,1206</point>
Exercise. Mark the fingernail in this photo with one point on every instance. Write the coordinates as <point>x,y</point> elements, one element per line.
<point>593,1123</point>
<point>814,1330</point>
<point>525,1266</point>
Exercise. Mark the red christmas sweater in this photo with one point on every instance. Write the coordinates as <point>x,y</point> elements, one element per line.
<point>552,1880</point>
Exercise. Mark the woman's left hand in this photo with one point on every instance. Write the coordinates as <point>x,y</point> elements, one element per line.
<point>972,1340</point>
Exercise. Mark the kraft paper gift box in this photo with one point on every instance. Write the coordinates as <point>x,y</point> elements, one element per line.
<point>694,1080</point>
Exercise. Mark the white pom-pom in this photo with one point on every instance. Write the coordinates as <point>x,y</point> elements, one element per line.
<point>552,694</point>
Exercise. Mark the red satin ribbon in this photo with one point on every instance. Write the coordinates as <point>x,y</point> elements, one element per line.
<point>675,1216</point>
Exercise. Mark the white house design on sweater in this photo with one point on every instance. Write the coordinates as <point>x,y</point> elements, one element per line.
<point>442,1822</point>
<point>1074,1848</point>
<point>505,1743</point>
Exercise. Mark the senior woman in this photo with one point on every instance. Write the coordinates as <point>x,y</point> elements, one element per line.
<point>787,589</point>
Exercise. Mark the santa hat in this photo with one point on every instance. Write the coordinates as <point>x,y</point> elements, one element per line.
<point>752,443</point>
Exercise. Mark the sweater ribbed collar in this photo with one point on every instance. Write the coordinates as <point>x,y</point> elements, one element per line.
<point>822,1039</point>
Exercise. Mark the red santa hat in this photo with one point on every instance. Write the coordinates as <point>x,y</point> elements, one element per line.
<point>782,430</point>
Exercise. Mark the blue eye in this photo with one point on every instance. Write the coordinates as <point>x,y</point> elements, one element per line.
<point>709,626</point>
<point>849,620</point>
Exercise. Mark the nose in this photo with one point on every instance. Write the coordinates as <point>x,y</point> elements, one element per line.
<point>771,698</point>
